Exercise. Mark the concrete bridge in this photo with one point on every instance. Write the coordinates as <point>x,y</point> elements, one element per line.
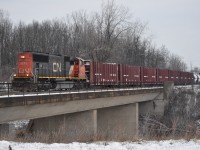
<point>110,113</point>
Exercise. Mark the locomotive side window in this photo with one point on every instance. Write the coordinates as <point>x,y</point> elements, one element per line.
<point>37,65</point>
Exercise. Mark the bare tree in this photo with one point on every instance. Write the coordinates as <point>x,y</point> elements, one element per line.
<point>5,40</point>
<point>110,24</point>
<point>108,36</point>
<point>196,70</point>
<point>176,63</point>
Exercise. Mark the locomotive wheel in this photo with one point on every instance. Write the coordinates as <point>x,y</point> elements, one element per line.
<point>53,85</point>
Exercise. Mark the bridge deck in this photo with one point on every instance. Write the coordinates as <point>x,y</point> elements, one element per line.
<point>31,107</point>
<point>31,99</point>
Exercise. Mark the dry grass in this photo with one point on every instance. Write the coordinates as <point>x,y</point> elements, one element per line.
<point>179,120</point>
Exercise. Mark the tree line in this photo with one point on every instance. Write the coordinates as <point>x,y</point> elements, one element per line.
<point>111,35</point>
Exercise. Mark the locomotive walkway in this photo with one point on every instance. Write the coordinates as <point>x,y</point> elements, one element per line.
<point>94,112</point>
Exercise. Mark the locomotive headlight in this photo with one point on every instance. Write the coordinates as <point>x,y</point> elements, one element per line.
<point>22,57</point>
<point>27,75</point>
<point>14,75</point>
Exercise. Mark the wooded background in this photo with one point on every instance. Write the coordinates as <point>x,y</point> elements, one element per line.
<point>111,35</point>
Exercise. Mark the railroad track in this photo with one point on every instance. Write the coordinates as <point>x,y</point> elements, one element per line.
<point>10,92</point>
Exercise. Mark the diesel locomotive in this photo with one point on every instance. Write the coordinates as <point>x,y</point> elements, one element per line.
<point>47,71</point>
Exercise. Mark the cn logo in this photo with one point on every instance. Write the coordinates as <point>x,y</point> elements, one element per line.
<point>56,67</point>
<point>24,70</point>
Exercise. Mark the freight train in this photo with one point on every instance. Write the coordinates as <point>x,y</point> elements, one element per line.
<point>60,72</point>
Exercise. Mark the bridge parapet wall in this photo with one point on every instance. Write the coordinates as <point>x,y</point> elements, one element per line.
<point>53,98</point>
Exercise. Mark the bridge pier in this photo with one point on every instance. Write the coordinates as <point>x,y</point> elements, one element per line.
<point>118,122</point>
<point>73,127</point>
<point>7,129</point>
<point>167,89</point>
<point>111,123</point>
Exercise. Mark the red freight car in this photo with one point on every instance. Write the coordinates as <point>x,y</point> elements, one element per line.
<point>190,78</point>
<point>175,76</point>
<point>187,78</point>
<point>129,74</point>
<point>103,73</point>
<point>149,75</point>
<point>110,74</point>
<point>162,75</point>
<point>183,77</point>
<point>95,71</point>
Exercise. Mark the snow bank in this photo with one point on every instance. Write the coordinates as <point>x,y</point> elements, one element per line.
<point>143,145</point>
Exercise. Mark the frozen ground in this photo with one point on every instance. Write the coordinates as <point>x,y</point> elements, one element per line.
<point>143,145</point>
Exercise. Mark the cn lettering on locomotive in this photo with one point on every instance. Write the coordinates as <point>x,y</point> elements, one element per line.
<point>24,70</point>
<point>56,67</point>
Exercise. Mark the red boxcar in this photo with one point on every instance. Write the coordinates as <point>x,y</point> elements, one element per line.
<point>149,75</point>
<point>162,75</point>
<point>190,78</point>
<point>187,78</point>
<point>183,77</point>
<point>129,74</point>
<point>103,73</point>
<point>175,76</point>
<point>110,74</point>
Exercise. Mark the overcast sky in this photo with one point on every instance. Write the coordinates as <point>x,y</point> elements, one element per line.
<point>174,23</point>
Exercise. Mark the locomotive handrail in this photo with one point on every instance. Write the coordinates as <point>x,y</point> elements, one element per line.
<point>11,76</point>
<point>35,75</point>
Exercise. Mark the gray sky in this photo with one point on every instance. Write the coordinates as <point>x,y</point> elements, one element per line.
<point>174,23</point>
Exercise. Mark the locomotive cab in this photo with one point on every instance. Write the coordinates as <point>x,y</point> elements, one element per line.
<point>25,65</point>
<point>77,69</point>
<point>24,73</point>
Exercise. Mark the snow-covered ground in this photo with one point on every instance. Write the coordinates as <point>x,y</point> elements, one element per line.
<point>142,145</point>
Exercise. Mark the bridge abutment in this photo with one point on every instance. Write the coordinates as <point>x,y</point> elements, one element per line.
<point>157,105</point>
